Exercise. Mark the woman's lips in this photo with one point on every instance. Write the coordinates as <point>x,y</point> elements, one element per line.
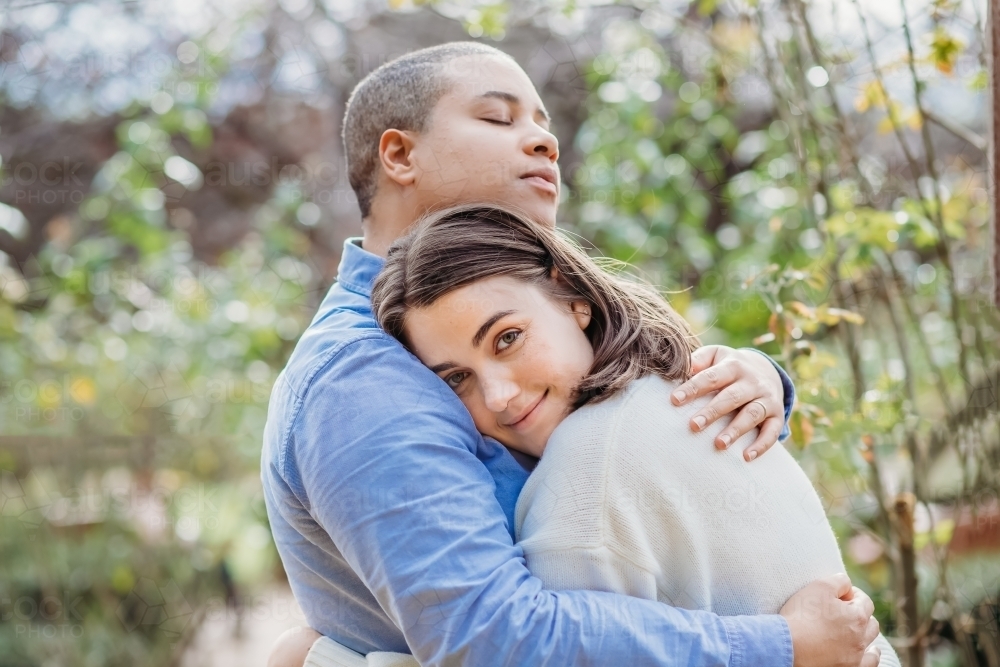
<point>542,184</point>
<point>527,419</point>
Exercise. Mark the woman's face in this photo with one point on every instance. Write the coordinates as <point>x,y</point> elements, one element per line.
<point>511,352</point>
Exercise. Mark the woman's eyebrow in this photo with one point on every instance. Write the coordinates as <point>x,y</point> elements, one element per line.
<point>514,99</point>
<point>485,328</point>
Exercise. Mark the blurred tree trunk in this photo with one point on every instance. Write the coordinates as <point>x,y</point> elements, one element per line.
<point>907,613</point>
<point>994,21</point>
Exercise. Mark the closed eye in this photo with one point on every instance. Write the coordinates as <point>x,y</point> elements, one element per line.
<point>494,121</point>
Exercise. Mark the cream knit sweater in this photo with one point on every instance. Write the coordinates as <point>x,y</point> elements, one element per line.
<point>626,499</point>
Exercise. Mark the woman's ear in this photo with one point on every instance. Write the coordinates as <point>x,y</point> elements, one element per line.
<point>581,311</point>
<point>394,152</point>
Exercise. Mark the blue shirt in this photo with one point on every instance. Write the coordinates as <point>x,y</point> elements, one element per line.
<point>393,517</point>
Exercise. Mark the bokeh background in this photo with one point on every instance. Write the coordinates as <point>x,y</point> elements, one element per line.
<point>806,176</point>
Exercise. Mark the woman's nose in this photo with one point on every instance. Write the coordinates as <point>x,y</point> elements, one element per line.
<point>542,142</point>
<point>498,392</point>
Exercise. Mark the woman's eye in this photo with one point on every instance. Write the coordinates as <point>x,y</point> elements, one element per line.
<point>508,338</point>
<point>496,121</point>
<point>455,379</point>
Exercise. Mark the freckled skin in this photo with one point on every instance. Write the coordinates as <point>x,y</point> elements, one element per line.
<point>541,350</point>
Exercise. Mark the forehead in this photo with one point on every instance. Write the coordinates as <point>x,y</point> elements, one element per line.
<point>484,296</point>
<point>466,308</point>
<point>469,77</point>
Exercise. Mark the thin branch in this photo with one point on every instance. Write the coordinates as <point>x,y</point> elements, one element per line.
<point>942,245</point>
<point>897,127</point>
<point>11,246</point>
<point>29,4</point>
<point>994,43</point>
<point>893,289</point>
<point>819,59</point>
<point>963,133</point>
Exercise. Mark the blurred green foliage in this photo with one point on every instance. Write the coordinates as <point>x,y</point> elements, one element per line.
<point>758,181</point>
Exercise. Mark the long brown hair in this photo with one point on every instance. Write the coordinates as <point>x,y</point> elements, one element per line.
<point>634,332</point>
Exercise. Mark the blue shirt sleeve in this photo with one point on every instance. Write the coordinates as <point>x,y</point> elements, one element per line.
<point>382,454</point>
<point>786,384</point>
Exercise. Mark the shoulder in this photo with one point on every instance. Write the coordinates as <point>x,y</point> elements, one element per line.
<point>598,422</point>
<point>617,440</point>
<point>373,388</point>
<point>646,397</point>
<point>347,389</point>
<point>586,452</point>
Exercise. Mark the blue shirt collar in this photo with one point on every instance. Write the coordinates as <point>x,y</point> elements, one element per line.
<point>358,268</point>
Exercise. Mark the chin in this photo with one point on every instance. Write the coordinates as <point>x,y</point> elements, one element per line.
<point>545,215</point>
<point>538,207</point>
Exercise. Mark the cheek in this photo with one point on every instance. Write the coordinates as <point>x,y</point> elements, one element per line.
<point>563,361</point>
<point>578,356</point>
<point>484,420</point>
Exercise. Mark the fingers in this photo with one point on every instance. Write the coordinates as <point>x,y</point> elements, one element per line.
<point>842,586</point>
<point>871,630</point>
<point>861,598</point>
<point>753,413</point>
<point>769,433</point>
<point>872,657</point>
<point>732,397</point>
<point>710,379</point>
<point>703,357</point>
<point>292,647</point>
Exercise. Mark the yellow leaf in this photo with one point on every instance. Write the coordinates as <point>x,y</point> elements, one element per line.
<point>945,50</point>
<point>802,309</point>
<point>764,338</point>
<point>848,315</point>
<point>774,324</point>
<point>122,579</point>
<point>943,531</point>
<point>872,97</point>
<point>802,429</point>
<point>827,316</point>
<point>82,391</point>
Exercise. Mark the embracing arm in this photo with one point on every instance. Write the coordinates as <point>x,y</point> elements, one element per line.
<point>405,499</point>
<point>746,380</point>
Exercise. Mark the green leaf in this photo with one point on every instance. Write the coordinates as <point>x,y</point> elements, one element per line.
<point>707,7</point>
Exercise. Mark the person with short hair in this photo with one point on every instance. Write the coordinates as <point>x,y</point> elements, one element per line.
<point>393,516</point>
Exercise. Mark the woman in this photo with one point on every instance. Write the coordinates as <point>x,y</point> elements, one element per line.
<point>560,359</point>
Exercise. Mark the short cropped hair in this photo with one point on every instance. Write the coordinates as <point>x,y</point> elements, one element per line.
<point>398,95</point>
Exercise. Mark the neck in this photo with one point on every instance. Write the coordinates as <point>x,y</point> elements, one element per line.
<point>389,218</point>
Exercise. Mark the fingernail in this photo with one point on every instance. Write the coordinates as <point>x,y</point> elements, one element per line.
<point>679,395</point>
<point>699,421</point>
<point>725,439</point>
<point>753,455</point>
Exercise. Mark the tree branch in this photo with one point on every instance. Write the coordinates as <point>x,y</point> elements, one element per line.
<point>10,245</point>
<point>995,89</point>
<point>963,133</point>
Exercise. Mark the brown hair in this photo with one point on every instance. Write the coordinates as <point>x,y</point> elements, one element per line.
<point>633,330</point>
